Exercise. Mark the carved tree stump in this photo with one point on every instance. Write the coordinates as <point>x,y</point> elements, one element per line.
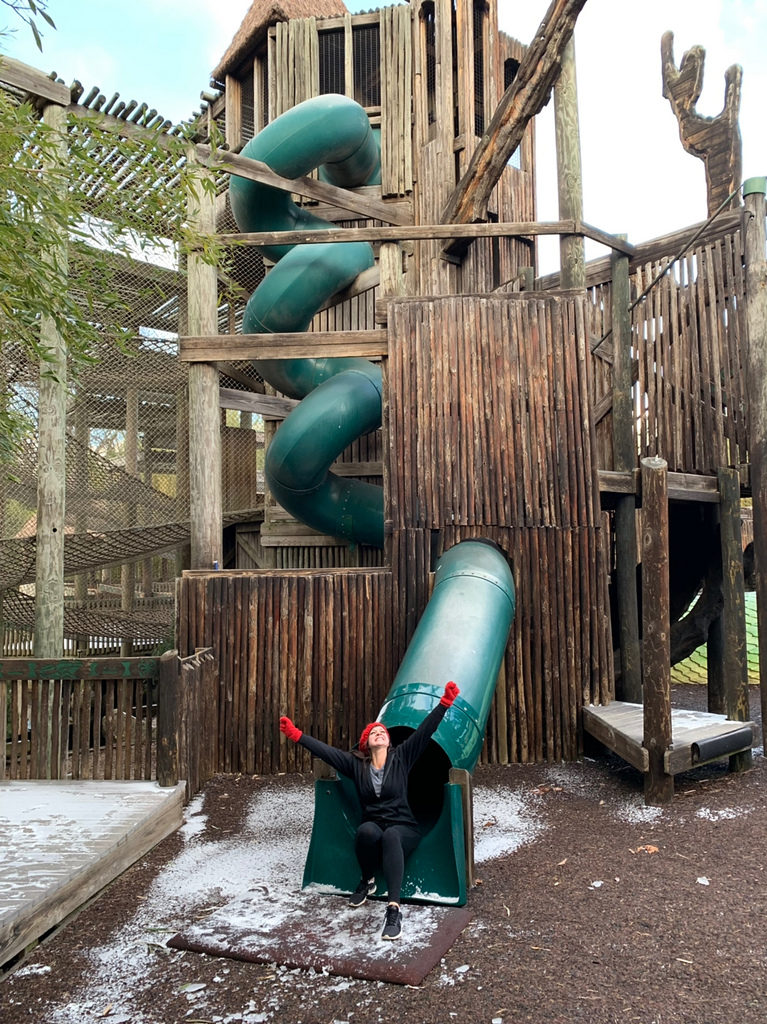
<point>715,140</point>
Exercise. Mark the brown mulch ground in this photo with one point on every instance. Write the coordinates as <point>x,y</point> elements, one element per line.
<point>615,913</point>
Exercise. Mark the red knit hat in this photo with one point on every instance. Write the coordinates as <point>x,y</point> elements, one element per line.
<point>363,744</point>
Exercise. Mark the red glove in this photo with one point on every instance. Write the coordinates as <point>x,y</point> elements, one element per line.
<point>451,692</point>
<point>290,730</point>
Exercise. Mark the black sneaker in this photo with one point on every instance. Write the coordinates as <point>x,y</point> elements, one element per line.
<point>361,893</point>
<point>392,923</point>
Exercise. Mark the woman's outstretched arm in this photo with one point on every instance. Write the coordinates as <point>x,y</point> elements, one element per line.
<point>341,760</point>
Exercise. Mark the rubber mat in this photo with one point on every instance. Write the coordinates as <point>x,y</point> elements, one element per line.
<point>325,934</point>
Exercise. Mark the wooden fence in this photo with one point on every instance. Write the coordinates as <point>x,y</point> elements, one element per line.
<point>314,645</point>
<point>688,338</point>
<point>106,718</point>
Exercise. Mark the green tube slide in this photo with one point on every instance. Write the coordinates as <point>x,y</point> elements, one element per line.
<point>341,398</point>
<point>462,635</point>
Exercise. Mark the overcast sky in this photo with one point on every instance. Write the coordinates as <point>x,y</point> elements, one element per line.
<point>637,178</point>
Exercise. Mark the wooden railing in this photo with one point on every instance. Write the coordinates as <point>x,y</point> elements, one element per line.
<point>107,718</point>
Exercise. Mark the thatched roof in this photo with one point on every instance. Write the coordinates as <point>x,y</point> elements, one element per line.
<point>263,14</point>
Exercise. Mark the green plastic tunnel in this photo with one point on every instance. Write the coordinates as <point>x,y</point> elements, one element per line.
<point>341,397</point>
<point>462,635</point>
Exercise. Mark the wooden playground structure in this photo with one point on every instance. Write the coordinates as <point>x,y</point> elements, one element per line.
<point>562,417</point>
<point>573,419</point>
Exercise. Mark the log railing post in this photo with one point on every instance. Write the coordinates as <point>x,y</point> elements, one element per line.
<point>52,423</point>
<point>624,456</point>
<point>656,630</point>
<point>756,377</point>
<point>735,653</point>
<point>569,174</point>
<point>168,720</point>
<point>205,497</point>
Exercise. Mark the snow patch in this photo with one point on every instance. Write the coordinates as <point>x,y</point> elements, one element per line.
<point>504,820</point>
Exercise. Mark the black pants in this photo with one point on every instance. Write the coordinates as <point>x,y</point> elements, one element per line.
<point>388,848</point>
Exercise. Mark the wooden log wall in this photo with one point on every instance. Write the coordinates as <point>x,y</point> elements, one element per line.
<point>316,646</point>
<point>489,420</point>
<point>396,101</point>
<point>444,46</point>
<point>489,412</point>
<point>688,336</point>
<point>293,65</point>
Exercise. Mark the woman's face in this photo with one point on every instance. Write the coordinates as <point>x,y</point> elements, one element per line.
<point>378,737</point>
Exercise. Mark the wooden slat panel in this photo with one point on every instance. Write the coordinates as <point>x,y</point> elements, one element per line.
<point>313,649</point>
<point>688,337</point>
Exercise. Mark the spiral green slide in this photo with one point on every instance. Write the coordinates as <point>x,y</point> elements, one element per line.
<point>341,398</point>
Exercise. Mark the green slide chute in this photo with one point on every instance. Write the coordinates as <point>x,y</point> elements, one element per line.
<point>462,635</point>
<point>341,398</point>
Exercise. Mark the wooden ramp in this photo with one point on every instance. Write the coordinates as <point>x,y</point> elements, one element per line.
<point>62,842</point>
<point>697,737</point>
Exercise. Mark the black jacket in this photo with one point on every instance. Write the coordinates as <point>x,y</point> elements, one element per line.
<point>391,807</point>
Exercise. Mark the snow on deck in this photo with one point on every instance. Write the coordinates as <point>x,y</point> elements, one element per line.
<point>64,841</point>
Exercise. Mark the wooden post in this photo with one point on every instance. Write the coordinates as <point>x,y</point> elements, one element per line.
<point>460,777</point>
<point>51,459</point>
<point>167,720</point>
<point>715,667</point>
<point>756,376</point>
<point>82,436</point>
<point>128,571</point>
<point>656,630</point>
<point>733,591</point>
<point>569,173</point>
<point>392,284</point>
<point>205,497</point>
<point>625,510</point>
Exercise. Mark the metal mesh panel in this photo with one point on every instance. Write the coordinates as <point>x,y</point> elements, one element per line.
<point>479,20</point>
<point>127,458</point>
<point>429,28</point>
<point>510,69</point>
<point>248,107</point>
<point>332,61</point>
<point>366,42</point>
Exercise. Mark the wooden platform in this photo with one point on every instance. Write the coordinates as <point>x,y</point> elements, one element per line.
<point>697,736</point>
<point>62,842</point>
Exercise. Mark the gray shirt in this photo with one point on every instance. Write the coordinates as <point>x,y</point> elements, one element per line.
<point>376,777</point>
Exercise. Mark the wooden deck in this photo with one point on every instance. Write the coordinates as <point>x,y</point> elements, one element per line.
<point>697,737</point>
<point>62,842</point>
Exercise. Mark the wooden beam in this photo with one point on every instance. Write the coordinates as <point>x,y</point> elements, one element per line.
<point>271,407</point>
<point>22,76</point>
<point>214,348</point>
<point>681,486</point>
<point>619,726</point>
<point>656,631</point>
<point>256,170</point>
<point>429,232</point>
<point>525,97</point>
<point>363,282</point>
<point>78,668</point>
<point>652,251</point>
